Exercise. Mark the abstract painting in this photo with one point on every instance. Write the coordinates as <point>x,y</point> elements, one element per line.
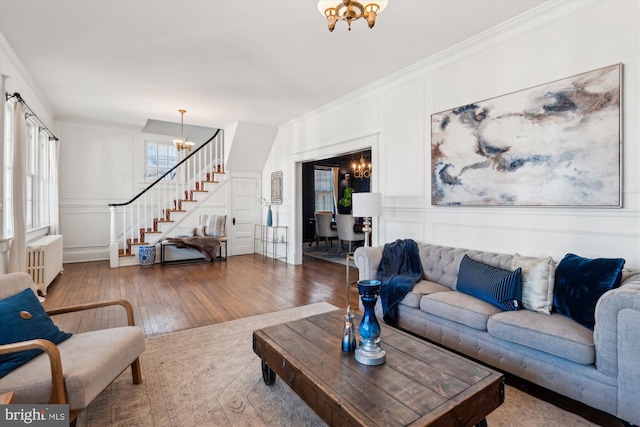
<point>557,144</point>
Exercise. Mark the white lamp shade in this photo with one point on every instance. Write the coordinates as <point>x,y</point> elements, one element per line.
<point>366,204</point>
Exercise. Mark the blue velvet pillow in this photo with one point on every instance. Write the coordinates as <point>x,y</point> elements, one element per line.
<point>502,288</point>
<point>580,282</point>
<point>23,318</point>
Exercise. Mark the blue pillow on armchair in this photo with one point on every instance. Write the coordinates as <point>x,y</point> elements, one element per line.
<point>502,288</point>
<point>580,282</point>
<point>23,318</point>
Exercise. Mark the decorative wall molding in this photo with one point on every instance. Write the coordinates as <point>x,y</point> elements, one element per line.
<point>350,120</point>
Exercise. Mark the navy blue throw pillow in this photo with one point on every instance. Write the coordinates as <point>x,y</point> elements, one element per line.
<point>502,288</point>
<point>580,282</point>
<point>23,318</point>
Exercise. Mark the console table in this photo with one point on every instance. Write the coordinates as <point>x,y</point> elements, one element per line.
<point>271,241</point>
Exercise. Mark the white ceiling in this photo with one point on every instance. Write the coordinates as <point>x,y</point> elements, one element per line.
<point>258,61</point>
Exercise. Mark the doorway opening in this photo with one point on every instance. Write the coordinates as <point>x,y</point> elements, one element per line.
<point>323,189</point>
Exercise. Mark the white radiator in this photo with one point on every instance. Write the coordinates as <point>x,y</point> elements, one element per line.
<point>44,261</point>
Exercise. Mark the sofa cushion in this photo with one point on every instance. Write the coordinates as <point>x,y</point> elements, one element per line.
<point>537,282</point>
<point>499,287</point>
<point>580,282</point>
<point>23,318</point>
<point>440,264</point>
<point>459,307</point>
<point>553,334</point>
<point>90,360</point>
<point>423,287</point>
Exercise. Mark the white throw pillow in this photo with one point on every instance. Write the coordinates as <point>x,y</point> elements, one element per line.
<point>217,226</point>
<point>537,282</point>
<point>199,231</point>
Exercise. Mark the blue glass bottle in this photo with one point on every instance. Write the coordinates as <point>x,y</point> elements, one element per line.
<point>349,334</point>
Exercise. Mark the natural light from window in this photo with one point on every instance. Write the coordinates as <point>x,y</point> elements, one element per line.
<point>160,158</point>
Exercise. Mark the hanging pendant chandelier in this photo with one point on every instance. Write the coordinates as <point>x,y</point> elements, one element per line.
<point>182,144</point>
<point>361,170</point>
<point>349,10</point>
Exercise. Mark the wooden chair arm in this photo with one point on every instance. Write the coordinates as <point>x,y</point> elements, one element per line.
<point>58,391</point>
<point>92,305</point>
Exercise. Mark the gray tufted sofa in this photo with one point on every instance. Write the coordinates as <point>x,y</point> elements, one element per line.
<point>599,368</point>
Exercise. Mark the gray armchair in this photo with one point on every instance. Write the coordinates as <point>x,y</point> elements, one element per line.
<point>77,369</point>
<point>323,227</point>
<point>346,233</point>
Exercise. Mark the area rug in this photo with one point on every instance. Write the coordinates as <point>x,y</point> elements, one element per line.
<point>209,376</point>
<point>331,254</point>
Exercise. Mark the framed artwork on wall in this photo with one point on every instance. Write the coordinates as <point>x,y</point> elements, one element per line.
<point>556,144</point>
<point>276,188</point>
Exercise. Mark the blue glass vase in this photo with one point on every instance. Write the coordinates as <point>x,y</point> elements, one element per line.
<point>369,352</point>
<point>269,218</point>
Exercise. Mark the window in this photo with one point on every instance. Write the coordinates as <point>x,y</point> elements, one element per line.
<point>37,182</point>
<point>324,190</point>
<point>43,189</point>
<point>160,158</point>
<point>30,183</point>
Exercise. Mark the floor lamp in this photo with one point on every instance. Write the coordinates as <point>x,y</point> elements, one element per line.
<point>366,205</point>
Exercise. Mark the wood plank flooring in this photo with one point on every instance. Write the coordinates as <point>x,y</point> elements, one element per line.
<point>172,298</point>
<point>176,297</point>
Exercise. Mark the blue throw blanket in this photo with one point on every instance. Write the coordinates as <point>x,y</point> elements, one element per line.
<point>399,270</point>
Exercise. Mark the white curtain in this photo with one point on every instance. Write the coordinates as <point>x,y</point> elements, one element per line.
<point>54,161</point>
<point>18,251</point>
<point>334,183</point>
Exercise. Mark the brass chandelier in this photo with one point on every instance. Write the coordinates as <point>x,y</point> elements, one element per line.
<point>350,10</point>
<point>361,170</point>
<point>182,144</point>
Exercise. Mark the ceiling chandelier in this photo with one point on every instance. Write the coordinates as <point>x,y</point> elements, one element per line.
<point>349,10</point>
<point>181,143</point>
<point>361,170</point>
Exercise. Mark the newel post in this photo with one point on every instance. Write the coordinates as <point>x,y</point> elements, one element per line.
<point>113,245</point>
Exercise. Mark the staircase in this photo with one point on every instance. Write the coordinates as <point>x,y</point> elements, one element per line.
<point>151,216</point>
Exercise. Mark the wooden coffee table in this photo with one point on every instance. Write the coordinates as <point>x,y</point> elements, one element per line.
<point>420,384</point>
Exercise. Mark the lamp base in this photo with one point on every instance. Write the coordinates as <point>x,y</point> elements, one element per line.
<point>370,353</point>
<point>367,231</point>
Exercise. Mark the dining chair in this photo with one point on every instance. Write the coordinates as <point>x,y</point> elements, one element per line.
<point>346,233</point>
<point>323,228</point>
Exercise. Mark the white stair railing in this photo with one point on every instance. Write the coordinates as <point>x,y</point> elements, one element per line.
<point>156,210</point>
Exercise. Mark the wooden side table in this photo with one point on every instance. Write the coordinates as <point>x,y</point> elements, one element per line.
<point>6,398</point>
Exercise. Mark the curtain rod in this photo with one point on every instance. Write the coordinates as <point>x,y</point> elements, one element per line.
<point>19,98</point>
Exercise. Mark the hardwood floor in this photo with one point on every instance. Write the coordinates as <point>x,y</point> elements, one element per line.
<point>172,298</point>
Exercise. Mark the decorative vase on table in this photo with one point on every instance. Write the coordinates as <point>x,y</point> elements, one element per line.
<point>269,217</point>
<point>369,352</point>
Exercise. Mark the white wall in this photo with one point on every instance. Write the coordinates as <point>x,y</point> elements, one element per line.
<point>96,168</point>
<point>393,118</point>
